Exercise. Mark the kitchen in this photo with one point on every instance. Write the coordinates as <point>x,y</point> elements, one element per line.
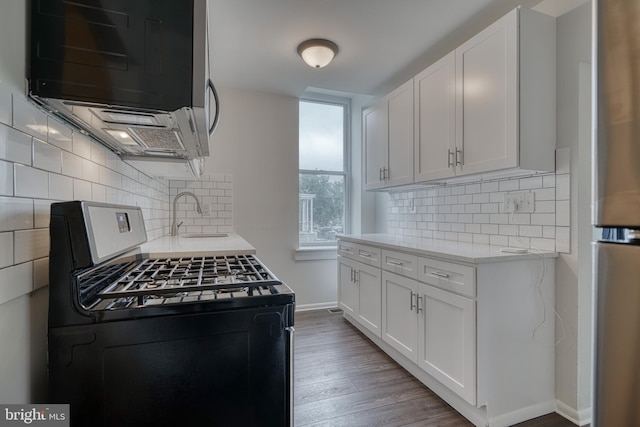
<point>257,166</point>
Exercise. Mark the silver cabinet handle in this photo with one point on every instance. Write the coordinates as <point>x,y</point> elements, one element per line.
<point>411,304</point>
<point>366,254</point>
<point>380,175</point>
<point>392,262</point>
<point>449,158</point>
<point>356,277</point>
<point>385,173</point>
<point>459,158</point>
<point>346,249</point>
<point>439,274</point>
<point>419,301</point>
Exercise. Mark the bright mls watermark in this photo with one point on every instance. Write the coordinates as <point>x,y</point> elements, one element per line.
<point>37,415</point>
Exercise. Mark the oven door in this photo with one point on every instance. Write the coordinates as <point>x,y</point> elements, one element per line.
<point>221,368</point>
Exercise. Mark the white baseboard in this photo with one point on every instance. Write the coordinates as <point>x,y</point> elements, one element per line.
<point>317,306</point>
<point>579,418</point>
<point>527,413</point>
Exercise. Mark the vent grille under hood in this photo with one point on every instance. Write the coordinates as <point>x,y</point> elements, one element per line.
<point>132,74</point>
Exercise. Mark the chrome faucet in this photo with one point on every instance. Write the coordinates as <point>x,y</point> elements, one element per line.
<point>174,227</point>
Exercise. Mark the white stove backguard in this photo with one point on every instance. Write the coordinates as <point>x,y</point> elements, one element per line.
<point>112,229</point>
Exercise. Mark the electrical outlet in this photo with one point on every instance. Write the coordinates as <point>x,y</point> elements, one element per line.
<point>519,203</point>
<point>412,206</point>
<point>206,209</point>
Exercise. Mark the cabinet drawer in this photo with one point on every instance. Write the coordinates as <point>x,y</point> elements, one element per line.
<point>453,277</point>
<point>365,254</point>
<point>347,249</point>
<point>400,263</point>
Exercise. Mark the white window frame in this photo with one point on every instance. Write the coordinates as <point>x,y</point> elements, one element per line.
<point>310,252</point>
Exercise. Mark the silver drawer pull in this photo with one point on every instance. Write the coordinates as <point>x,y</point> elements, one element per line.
<point>366,254</point>
<point>346,249</point>
<point>411,304</point>
<point>419,302</point>
<point>392,262</point>
<point>440,275</point>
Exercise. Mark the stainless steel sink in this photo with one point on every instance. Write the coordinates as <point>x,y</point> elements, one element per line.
<point>204,235</point>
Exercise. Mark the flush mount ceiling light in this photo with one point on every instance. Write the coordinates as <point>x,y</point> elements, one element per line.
<point>317,53</point>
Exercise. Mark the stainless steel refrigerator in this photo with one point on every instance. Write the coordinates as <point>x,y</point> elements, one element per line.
<point>617,211</point>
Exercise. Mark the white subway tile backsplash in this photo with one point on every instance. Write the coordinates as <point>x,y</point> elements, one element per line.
<point>478,215</point>
<point>82,145</point>
<point>41,213</point>
<point>82,190</point>
<point>60,187</point>
<point>59,135</point>
<point>15,146</point>
<point>529,183</point>
<point>544,218</point>
<point>563,187</point>
<point>46,156</point>
<point>99,193</point>
<point>31,244</point>
<point>29,119</point>
<point>6,250</point>
<point>40,273</point>
<point>6,178</point>
<point>15,281</point>
<point>563,213</point>
<point>30,182</point>
<point>71,165</point>
<point>15,213</point>
<point>509,185</point>
<point>90,171</point>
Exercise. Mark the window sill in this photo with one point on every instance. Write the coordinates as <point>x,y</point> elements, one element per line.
<point>315,253</point>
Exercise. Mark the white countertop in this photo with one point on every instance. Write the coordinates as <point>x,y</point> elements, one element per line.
<point>456,251</point>
<point>177,246</point>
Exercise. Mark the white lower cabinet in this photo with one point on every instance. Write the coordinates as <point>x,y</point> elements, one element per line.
<point>360,292</point>
<point>447,339</point>
<point>399,314</point>
<point>474,332</point>
<point>433,328</point>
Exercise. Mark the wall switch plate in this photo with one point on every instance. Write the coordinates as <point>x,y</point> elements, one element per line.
<point>519,203</point>
<point>206,209</point>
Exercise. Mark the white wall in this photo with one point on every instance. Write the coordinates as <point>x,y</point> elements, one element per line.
<point>573,295</point>
<point>257,142</point>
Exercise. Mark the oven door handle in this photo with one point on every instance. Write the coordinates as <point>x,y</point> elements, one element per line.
<point>290,341</point>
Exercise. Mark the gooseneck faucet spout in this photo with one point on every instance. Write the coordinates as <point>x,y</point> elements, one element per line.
<point>174,226</point>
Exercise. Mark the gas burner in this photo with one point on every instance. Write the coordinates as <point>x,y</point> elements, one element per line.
<point>189,279</point>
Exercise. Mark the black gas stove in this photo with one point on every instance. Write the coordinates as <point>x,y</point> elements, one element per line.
<point>136,341</point>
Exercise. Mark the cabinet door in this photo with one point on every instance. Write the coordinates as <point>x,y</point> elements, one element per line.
<point>447,340</point>
<point>368,282</point>
<point>487,105</point>
<point>375,137</point>
<point>435,120</point>
<point>347,289</point>
<point>399,314</point>
<point>400,147</point>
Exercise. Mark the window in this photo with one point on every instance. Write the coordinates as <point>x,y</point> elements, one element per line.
<point>323,164</point>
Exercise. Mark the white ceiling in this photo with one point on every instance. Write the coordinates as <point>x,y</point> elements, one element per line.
<point>382,42</point>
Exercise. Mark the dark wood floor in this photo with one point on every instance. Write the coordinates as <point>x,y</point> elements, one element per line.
<point>343,379</point>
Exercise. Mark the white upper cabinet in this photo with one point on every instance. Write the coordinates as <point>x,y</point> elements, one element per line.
<point>435,120</point>
<point>388,140</point>
<point>489,106</point>
<point>375,136</point>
